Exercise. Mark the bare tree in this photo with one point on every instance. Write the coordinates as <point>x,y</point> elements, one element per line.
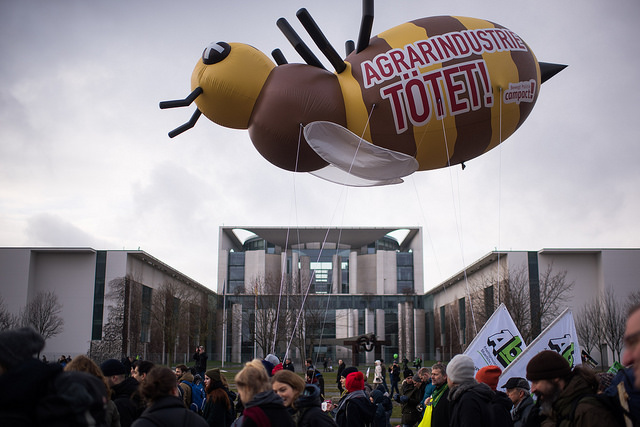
<point>588,326</point>
<point>170,314</point>
<point>43,314</point>
<point>633,299</point>
<point>613,322</point>
<point>517,301</point>
<point>7,320</point>
<point>514,291</point>
<point>268,326</point>
<point>555,292</point>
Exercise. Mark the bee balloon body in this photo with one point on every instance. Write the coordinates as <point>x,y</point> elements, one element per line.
<point>426,94</point>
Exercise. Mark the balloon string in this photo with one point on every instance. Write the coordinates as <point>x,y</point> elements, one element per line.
<point>458,216</point>
<point>499,191</point>
<point>366,126</point>
<point>308,288</point>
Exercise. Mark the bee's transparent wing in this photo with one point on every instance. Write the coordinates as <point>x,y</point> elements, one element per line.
<point>357,162</point>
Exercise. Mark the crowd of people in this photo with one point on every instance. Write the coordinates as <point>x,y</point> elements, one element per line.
<point>138,393</point>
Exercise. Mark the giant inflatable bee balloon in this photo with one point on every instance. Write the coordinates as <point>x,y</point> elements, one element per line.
<point>426,94</point>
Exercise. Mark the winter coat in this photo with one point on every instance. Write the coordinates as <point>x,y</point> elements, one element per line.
<point>383,409</point>
<point>201,361</point>
<point>521,411</point>
<point>272,406</point>
<point>588,412</point>
<point>355,410</point>
<point>186,388</point>
<point>441,410</point>
<point>169,411</point>
<point>413,394</point>
<point>35,393</point>
<point>377,378</point>
<point>112,417</point>
<point>308,411</point>
<point>129,408</point>
<point>471,405</point>
<point>216,414</point>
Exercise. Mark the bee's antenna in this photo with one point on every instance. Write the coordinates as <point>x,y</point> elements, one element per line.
<point>191,123</point>
<point>320,40</point>
<point>349,46</point>
<point>298,44</point>
<point>182,102</point>
<point>279,57</point>
<point>365,25</point>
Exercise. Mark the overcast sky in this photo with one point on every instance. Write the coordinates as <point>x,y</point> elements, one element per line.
<point>85,159</point>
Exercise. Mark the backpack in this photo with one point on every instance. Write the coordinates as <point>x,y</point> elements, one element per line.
<point>610,403</point>
<point>198,397</point>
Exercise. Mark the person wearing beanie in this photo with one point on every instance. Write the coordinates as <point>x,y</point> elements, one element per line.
<point>217,410</point>
<point>489,375</point>
<point>518,392</point>
<point>473,403</point>
<point>124,389</point>
<point>354,409</point>
<point>35,393</point>
<point>562,390</point>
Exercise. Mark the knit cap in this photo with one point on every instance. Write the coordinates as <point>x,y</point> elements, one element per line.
<point>112,367</point>
<point>547,365</point>
<point>354,381</point>
<point>489,375</point>
<point>461,369</point>
<point>349,370</point>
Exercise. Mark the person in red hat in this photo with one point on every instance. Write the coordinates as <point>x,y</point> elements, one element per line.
<point>355,409</point>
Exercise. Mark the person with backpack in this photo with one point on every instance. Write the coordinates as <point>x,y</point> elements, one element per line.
<point>568,396</point>
<point>472,403</point>
<point>490,375</point>
<point>262,407</point>
<point>193,395</point>
<point>218,408</point>
<point>303,401</point>
<point>165,408</point>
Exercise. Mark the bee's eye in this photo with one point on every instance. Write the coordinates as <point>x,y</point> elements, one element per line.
<point>215,52</point>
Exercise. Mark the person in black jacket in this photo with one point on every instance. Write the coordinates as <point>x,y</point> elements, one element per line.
<point>200,356</point>
<point>262,406</point>
<point>439,399</point>
<point>124,391</point>
<point>166,408</point>
<point>472,403</point>
<point>355,409</point>
<point>341,366</point>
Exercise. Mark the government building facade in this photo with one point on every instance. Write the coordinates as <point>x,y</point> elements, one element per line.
<point>313,292</point>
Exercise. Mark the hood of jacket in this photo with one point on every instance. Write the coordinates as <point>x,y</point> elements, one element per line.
<point>480,389</point>
<point>265,398</point>
<point>187,376</point>
<point>309,397</point>
<point>125,389</point>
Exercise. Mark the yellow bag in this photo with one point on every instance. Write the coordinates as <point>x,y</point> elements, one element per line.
<point>426,417</point>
